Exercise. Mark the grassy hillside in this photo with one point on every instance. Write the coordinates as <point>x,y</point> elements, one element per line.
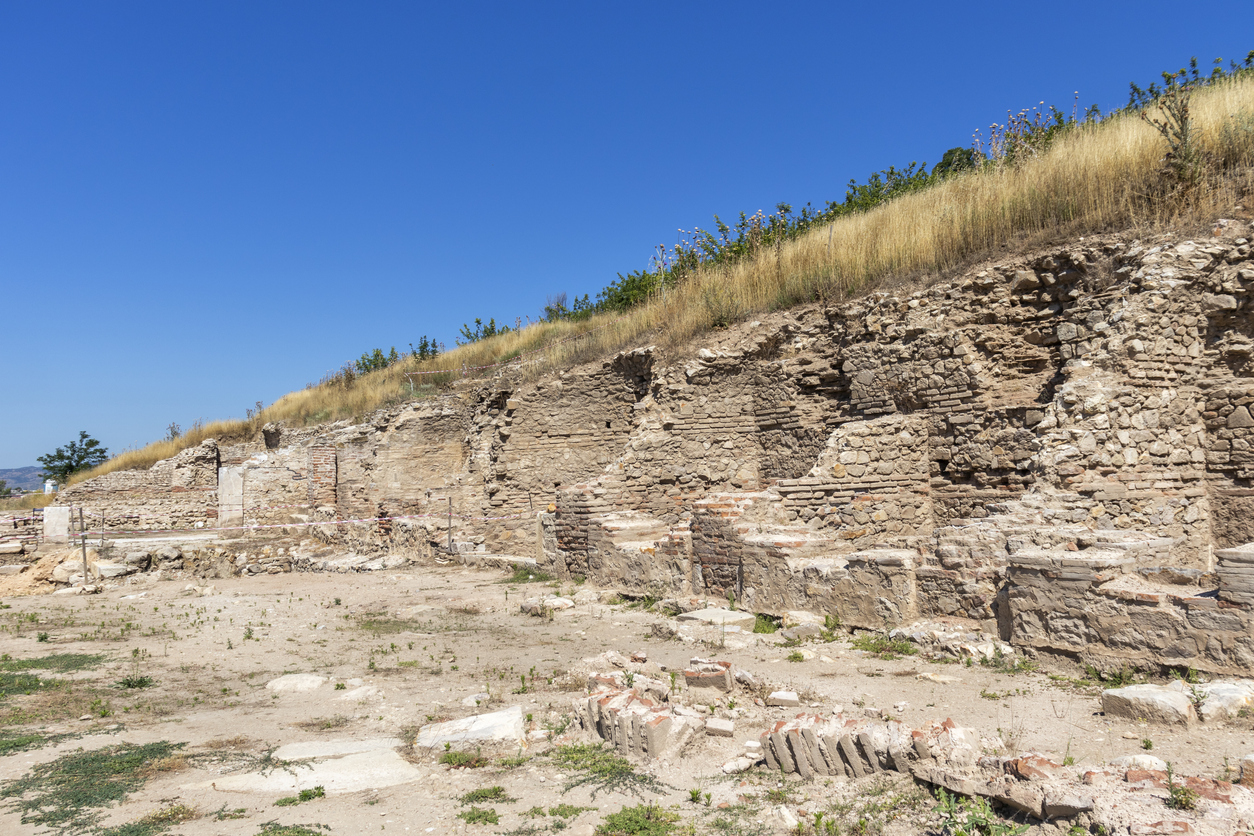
<point>1086,176</point>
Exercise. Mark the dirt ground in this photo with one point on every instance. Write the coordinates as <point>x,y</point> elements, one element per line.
<point>401,649</point>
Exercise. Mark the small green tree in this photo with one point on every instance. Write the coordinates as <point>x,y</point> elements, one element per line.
<point>5,490</point>
<point>481,331</point>
<point>83,454</point>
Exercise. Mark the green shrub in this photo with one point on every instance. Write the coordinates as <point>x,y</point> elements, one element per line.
<point>641,820</point>
<point>765,624</point>
<point>479,815</point>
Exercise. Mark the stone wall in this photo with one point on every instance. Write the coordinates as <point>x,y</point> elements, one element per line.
<point>973,449</point>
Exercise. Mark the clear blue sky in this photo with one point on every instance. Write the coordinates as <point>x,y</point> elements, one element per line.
<point>207,204</point>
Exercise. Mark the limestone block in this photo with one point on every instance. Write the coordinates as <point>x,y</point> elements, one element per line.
<point>783,698</point>
<point>796,618</point>
<point>109,569</point>
<point>1153,703</point>
<point>1139,762</point>
<point>1224,700</point>
<point>295,683</point>
<point>721,618</point>
<point>14,547</point>
<point>57,524</point>
<point>505,727</point>
<point>720,679</point>
<point>334,748</point>
<point>719,727</point>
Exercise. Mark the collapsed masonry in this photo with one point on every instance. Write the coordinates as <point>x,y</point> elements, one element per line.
<point>1059,446</point>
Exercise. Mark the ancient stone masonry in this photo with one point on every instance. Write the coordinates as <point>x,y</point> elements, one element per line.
<point>1056,445</point>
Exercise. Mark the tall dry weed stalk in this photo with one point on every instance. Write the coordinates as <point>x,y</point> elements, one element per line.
<point>1100,176</point>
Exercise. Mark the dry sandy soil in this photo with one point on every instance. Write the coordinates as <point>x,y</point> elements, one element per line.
<point>404,648</point>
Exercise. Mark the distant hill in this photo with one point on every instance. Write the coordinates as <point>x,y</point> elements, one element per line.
<point>23,477</point>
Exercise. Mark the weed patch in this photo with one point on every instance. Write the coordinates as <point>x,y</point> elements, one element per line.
<point>25,683</point>
<point>486,794</point>
<point>272,828</point>
<point>602,770</point>
<point>641,820</point>
<point>301,798</point>
<point>973,816</point>
<point>339,721</point>
<point>567,811</point>
<point>56,662</point>
<point>156,822</point>
<point>464,760</point>
<point>882,646</point>
<point>68,795</point>
<point>136,681</point>
<point>765,623</point>
<point>524,575</point>
<point>479,815</point>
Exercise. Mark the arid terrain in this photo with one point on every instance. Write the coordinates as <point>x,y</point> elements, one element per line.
<point>401,649</point>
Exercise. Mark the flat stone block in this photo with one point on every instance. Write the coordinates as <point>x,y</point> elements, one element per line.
<point>784,698</point>
<point>718,727</point>
<point>497,727</point>
<point>1153,703</point>
<point>721,618</point>
<point>295,682</point>
<point>334,748</point>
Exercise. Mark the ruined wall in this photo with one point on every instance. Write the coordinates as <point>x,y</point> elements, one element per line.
<point>948,451</point>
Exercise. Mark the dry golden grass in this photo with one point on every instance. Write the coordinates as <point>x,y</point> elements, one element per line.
<point>25,502</point>
<point>1098,178</point>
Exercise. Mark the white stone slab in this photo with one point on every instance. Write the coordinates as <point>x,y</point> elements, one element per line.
<point>1152,703</point>
<point>334,748</point>
<point>295,682</point>
<point>351,773</point>
<point>230,496</point>
<point>721,618</point>
<point>57,524</point>
<point>504,726</point>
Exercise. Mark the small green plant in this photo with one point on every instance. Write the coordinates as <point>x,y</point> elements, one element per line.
<point>603,769</point>
<point>522,574</point>
<point>486,794</point>
<point>464,760</point>
<point>70,794</point>
<point>136,681</point>
<point>301,797</point>
<point>694,796</point>
<point>1147,744</point>
<point>479,815</point>
<point>795,656</point>
<point>972,817</point>
<point>43,637</point>
<point>340,686</point>
<point>765,624</point>
<point>1179,796</point>
<point>641,820</point>
<point>567,811</point>
<point>882,646</point>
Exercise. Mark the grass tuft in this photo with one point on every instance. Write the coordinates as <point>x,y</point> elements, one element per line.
<point>603,770</point>
<point>479,815</point>
<point>68,795</point>
<point>486,794</point>
<point>641,820</point>
<point>1093,178</point>
<point>882,646</point>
